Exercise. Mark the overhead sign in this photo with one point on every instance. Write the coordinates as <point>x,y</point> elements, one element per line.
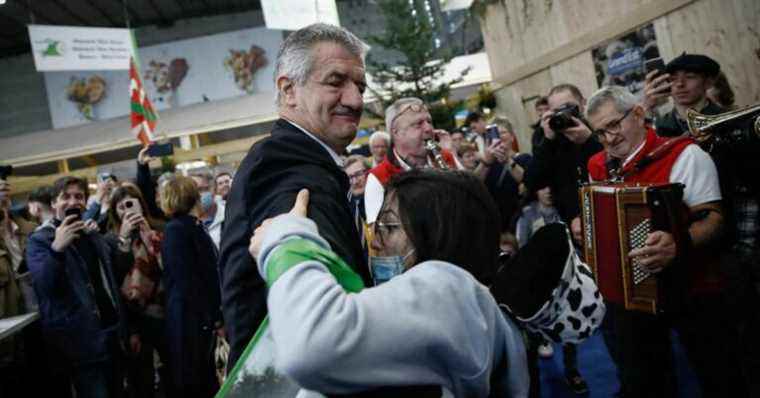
<point>296,14</point>
<point>57,48</point>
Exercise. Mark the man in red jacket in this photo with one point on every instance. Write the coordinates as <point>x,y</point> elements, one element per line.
<point>409,123</point>
<point>643,340</point>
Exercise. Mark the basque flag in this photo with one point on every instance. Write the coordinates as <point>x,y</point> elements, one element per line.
<point>142,115</point>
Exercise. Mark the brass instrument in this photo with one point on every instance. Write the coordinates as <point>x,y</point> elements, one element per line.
<point>435,150</point>
<point>700,125</point>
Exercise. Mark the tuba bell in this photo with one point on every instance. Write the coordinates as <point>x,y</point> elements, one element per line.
<point>702,127</point>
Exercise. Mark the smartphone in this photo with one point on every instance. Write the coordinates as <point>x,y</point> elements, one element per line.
<point>158,150</point>
<point>73,211</point>
<point>654,64</point>
<point>103,177</point>
<point>132,205</point>
<point>492,134</point>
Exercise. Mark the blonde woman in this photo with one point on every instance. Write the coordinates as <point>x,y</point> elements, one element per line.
<point>192,289</point>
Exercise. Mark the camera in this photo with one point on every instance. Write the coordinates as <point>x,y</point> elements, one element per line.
<point>563,117</point>
<point>5,171</point>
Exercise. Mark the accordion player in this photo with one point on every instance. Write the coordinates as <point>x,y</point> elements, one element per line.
<point>615,219</point>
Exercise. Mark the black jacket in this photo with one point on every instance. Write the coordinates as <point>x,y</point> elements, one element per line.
<point>735,159</point>
<point>561,165</point>
<point>266,185</point>
<point>192,304</point>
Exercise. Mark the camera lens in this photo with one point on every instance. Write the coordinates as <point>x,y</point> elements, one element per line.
<point>128,204</point>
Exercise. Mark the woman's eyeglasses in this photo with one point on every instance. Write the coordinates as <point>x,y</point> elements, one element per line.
<point>382,230</point>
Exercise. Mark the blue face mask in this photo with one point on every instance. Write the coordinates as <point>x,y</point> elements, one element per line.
<point>207,200</point>
<point>384,268</point>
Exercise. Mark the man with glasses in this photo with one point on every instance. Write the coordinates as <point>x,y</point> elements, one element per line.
<point>356,168</point>
<point>410,125</point>
<point>702,322</point>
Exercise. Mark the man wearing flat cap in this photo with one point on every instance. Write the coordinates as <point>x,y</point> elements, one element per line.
<point>687,79</point>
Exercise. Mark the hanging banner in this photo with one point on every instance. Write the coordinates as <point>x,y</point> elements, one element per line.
<point>174,74</point>
<point>58,48</point>
<point>296,14</point>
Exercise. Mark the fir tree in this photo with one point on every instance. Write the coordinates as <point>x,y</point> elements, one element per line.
<point>410,35</point>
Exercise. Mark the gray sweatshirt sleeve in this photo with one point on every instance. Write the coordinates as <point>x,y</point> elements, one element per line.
<point>433,325</point>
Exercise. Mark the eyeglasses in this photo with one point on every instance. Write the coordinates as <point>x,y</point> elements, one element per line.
<point>382,230</point>
<point>613,127</point>
<point>413,107</point>
<point>357,175</point>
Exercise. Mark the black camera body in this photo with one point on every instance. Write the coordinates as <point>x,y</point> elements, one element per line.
<point>563,117</point>
<point>5,171</point>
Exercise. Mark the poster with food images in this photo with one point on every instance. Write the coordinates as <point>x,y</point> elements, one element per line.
<point>174,74</point>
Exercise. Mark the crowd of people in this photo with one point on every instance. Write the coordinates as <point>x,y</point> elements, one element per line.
<point>463,251</point>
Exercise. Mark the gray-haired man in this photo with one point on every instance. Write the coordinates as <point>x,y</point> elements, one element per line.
<point>320,80</point>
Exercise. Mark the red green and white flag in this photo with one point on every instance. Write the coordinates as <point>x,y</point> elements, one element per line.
<point>142,115</point>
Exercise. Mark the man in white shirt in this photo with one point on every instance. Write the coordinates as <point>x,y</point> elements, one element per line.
<point>704,326</point>
<point>410,125</point>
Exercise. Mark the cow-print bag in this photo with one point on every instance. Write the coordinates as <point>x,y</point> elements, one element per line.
<point>563,306</point>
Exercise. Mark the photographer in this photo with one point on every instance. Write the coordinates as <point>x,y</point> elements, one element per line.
<point>687,79</point>
<point>560,163</point>
<point>97,204</point>
<point>72,269</point>
<point>502,170</point>
<point>141,288</point>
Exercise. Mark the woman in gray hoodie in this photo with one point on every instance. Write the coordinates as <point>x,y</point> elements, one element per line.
<point>431,322</point>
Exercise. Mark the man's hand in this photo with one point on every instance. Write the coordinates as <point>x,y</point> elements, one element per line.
<point>658,252</point>
<point>129,223</point>
<point>444,139</point>
<point>66,233</point>
<point>578,134</point>
<point>299,209</point>
<point>549,134</point>
<point>656,90</point>
<point>143,157</point>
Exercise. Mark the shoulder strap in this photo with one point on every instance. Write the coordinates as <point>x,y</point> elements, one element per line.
<point>656,154</point>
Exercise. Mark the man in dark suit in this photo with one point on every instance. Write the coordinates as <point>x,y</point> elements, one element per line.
<point>320,80</point>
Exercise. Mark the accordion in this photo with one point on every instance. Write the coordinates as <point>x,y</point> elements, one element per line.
<point>616,218</point>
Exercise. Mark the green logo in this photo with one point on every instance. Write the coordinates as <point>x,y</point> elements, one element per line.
<point>54,48</point>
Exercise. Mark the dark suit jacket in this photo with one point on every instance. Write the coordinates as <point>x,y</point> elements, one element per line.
<point>266,185</point>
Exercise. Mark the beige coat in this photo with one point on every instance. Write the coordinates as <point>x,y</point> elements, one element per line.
<point>11,302</point>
